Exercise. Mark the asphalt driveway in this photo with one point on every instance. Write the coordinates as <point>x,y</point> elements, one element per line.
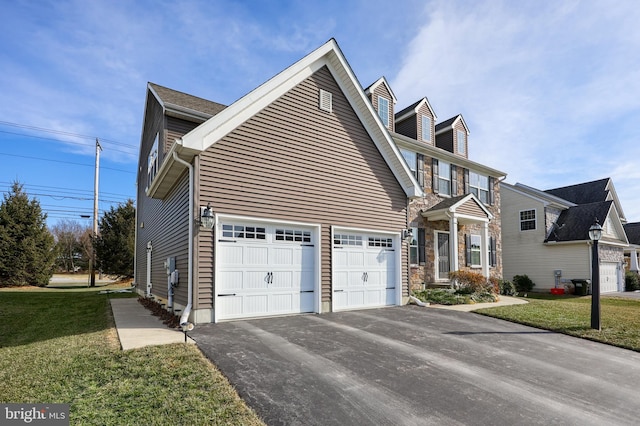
<point>420,366</point>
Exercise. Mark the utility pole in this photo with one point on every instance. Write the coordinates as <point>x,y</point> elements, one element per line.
<point>92,261</point>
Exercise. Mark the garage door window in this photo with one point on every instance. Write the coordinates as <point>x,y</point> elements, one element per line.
<point>242,231</point>
<point>347,240</point>
<point>380,242</point>
<point>293,235</point>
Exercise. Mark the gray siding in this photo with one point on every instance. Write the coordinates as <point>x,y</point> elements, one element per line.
<point>408,127</point>
<point>293,161</point>
<point>445,140</point>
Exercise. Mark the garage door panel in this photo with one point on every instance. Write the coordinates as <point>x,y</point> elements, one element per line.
<point>608,277</point>
<point>268,276</point>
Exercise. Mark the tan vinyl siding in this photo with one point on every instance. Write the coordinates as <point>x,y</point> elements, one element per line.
<point>472,209</point>
<point>293,161</point>
<point>176,128</point>
<point>381,90</point>
<point>460,126</point>
<point>424,110</point>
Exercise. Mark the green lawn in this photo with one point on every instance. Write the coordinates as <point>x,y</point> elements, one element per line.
<point>60,346</point>
<point>620,317</point>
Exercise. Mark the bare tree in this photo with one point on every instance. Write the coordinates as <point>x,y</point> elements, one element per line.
<point>68,235</point>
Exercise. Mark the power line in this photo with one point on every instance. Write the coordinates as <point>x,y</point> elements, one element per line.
<point>70,190</point>
<point>133,150</point>
<point>63,162</point>
<point>62,132</point>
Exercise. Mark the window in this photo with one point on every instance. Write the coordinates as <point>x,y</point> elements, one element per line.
<point>152,162</point>
<point>413,247</point>
<point>411,158</point>
<point>461,145</point>
<point>326,103</point>
<point>380,242</point>
<point>479,186</point>
<point>476,252</point>
<point>426,128</point>
<point>347,240</point>
<point>293,235</point>
<point>383,110</point>
<point>444,178</point>
<point>242,231</point>
<point>527,220</point>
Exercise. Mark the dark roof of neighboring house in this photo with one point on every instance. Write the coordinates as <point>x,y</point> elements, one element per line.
<point>173,97</point>
<point>633,232</point>
<point>574,222</point>
<point>446,123</point>
<point>409,108</point>
<point>583,193</point>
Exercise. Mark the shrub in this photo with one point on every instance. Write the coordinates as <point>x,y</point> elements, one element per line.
<point>523,283</point>
<point>507,288</point>
<point>468,282</point>
<point>631,281</point>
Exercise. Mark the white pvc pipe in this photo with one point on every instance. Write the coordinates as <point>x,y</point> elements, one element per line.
<point>418,301</point>
<point>184,319</point>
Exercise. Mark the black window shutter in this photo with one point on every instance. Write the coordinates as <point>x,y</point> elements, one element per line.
<point>434,174</point>
<point>421,244</point>
<point>466,181</point>
<point>493,258</point>
<point>454,180</point>
<point>467,249</point>
<point>492,182</point>
<point>420,169</point>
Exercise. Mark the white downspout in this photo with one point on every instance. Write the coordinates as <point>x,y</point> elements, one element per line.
<point>184,319</point>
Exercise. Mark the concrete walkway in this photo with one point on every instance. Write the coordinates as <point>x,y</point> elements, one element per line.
<point>137,328</point>
<point>504,301</point>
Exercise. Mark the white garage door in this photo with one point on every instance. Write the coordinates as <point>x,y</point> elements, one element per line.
<point>608,277</point>
<point>364,270</point>
<point>264,270</point>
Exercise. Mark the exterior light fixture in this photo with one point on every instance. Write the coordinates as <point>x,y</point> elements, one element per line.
<point>595,233</point>
<point>407,234</point>
<point>207,219</point>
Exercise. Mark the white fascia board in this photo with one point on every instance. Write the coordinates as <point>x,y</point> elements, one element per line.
<point>613,212</point>
<point>616,200</point>
<point>382,80</point>
<point>414,111</point>
<point>441,154</point>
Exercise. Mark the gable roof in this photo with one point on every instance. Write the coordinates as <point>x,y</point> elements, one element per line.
<point>590,192</point>
<point>450,124</point>
<point>413,109</point>
<point>381,80</point>
<point>179,103</point>
<point>443,209</point>
<point>633,232</point>
<point>573,223</point>
<point>224,122</point>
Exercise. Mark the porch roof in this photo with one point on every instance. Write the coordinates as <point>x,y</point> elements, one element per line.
<point>466,208</point>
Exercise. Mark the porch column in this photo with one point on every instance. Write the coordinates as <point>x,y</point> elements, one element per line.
<point>634,260</point>
<point>484,244</point>
<point>453,244</point>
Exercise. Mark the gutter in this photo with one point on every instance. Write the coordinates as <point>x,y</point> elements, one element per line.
<point>184,319</point>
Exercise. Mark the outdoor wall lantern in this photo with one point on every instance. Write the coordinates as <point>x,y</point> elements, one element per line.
<point>207,219</point>
<point>407,234</point>
<point>595,233</point>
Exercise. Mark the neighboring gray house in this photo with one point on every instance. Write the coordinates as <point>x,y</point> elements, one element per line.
<point>631,253</point>
<point>310,194</point>
<point>545,234</point>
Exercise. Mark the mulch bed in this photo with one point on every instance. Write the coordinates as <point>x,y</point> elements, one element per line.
<point>169,319</point>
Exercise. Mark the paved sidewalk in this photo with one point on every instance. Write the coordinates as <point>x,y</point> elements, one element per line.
<point>137,328</point>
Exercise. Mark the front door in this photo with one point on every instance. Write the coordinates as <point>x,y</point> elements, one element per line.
<point>442,241</point>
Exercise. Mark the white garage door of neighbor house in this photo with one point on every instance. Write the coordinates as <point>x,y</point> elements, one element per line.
<point>608,277</point>
<point>264,270</point>
<point>364,270</point>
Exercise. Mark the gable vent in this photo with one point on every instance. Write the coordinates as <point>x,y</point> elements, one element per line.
<point>326,103</point>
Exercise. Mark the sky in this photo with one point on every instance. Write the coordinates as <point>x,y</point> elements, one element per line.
<point>550,90</point>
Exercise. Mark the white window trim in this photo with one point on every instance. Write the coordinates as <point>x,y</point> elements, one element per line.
<point>535,220</point>
<point>386,120</point>
<point>422,119</point>
<point>478,187</point>
<point>464,145</point>
<point>414,238</point>
<point>446,177</point>
<point>471,250</point>
<point>152,161</point>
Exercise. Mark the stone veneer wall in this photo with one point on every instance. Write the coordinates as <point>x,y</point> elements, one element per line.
<point>424,274</point>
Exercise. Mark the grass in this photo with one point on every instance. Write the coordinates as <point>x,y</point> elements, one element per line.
<point>60,346</point>
<point>620,324</point>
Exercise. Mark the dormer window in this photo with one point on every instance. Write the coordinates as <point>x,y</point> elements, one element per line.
<point>383,110</point>
<point>426,128</point>
<point>461,142</point>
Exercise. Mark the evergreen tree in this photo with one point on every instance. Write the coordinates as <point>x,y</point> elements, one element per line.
<point>115,244</point>
<point>27,248</point>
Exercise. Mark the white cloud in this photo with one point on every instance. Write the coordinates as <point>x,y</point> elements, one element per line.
<point>542,86</point>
